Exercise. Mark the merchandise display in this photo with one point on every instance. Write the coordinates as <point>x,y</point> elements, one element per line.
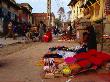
<point>64,61</point>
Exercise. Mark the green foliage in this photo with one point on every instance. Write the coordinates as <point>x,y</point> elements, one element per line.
<point>58,22</point>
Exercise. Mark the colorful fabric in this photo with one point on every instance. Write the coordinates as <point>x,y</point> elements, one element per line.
<point>70,60</point>
<point>84,63</point>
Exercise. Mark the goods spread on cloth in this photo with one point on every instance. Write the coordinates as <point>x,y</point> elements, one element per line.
<point>63,61</point>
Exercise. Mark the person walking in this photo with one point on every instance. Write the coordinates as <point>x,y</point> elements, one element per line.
<point>56,30</point>
<point>69,31</point>
<point>42,30</point>
<point>10,30</point>
<point>15,31</point>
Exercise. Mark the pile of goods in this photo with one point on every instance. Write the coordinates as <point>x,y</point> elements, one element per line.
<point>63,61</point>
<point>66,38</point>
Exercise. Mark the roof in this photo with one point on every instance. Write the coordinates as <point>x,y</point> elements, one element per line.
<point>43,14</point>
<point>40,14</point>
<point>26,4</point>
<point>72,2</point>
<point>24,9</point>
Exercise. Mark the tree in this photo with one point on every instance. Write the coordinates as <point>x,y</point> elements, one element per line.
<point>58,22</point>
<point>61,13</point>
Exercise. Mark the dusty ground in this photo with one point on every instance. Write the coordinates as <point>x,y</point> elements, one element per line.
<point>9,49</point>
<point>21,66</point>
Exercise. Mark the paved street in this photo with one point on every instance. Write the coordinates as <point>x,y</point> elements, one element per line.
<point>9,41</point>
<point>21,66</point>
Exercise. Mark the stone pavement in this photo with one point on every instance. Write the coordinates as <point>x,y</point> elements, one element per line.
<point>10,41</point>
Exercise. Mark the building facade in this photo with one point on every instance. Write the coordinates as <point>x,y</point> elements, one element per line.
<point>95,12</point>
<point>26,12</point>
<point>14,12</point>
<point>9,12</point>
<point>76,16</point>
<point>37,17</point>
<point>98,13</point>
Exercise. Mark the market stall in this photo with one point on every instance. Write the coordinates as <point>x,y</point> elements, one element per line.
<point>63,61</point>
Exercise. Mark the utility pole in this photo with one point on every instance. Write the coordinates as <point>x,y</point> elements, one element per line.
<point>49,12</point>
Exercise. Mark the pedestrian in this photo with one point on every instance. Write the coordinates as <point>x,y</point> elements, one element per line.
<point>10,30</point>
<point>42,30</point>
<point>91,44</point>
<point>15,31</point>
<point>56,30</point>
<point>69,31</point>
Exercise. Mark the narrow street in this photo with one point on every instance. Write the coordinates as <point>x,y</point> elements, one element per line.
<point>54,40</point>
<point>21,66</point>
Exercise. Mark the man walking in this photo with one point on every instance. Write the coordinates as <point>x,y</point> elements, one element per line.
<point>42,30</point>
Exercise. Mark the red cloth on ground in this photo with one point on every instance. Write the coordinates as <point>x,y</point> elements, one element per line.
<point>105,57</point>
<point>96,58</point>
<point>82,56</point>
<point>96,61</point>
<point>92,51</point>
<point>84,63</point>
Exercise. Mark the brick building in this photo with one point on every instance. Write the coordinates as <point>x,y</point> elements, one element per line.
<point>37,17</point>
<point>17,13</point>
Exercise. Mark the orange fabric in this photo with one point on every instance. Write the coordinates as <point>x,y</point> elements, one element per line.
<point>74,66</point>
<point>59,60</point>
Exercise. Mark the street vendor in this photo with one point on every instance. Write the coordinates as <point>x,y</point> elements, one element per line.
<point>85,39</point>
<point>83,43</point>
<point>91,44</point>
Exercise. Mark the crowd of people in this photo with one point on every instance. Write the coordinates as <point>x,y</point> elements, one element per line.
<point>13,30</point>
<point>25,31</point>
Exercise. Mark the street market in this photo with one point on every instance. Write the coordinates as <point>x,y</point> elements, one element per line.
<point>54,40</point>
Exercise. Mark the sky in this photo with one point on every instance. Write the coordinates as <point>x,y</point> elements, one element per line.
<point>40,6</point>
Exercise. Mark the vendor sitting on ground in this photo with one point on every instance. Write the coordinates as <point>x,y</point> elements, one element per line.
<point>32,34</point>
<point>83,43</point>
